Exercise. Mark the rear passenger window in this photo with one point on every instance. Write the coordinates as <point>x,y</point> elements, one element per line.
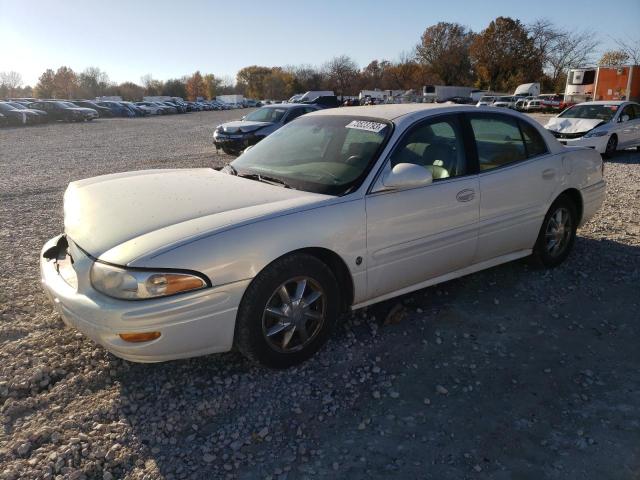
<point>533,141</point>
<point>498,141</point>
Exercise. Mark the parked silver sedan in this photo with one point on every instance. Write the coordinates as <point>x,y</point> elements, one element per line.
<point>337,210</point>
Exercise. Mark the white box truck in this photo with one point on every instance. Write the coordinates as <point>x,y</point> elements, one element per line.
<point>442,93</point>
<point>234,100</point>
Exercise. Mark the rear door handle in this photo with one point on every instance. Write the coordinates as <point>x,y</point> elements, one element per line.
<point>549,173</point>
<point>465,195</point>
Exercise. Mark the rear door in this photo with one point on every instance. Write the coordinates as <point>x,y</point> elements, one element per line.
<point>420,233</point>
<point>517,178</point>
<point>629,130</point>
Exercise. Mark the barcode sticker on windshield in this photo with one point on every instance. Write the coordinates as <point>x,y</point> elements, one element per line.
<point>374,127</point>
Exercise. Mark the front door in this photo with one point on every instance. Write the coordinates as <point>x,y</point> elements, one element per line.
<point>421,233</point>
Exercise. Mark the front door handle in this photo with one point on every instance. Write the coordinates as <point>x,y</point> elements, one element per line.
<point>549,173</point>
<point>465,195</point>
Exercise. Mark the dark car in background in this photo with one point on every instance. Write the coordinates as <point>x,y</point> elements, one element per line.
<point>116,108</point>
<point>325,101</point>
<point>137,111</point>
<point>234,137</point>
<point>64,111</point>
<point>3,121</point>
<point>41,115</point>
<point>17,116</point>
<point>102,111</point>
<point>181,107</point>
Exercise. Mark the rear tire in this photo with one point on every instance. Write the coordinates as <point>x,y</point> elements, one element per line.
<point>557,234</point>
<point>288,311</point>
<point>612,146</point>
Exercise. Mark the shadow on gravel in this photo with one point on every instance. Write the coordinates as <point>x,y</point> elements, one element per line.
<point>629,157</point>
<point>515,371</point>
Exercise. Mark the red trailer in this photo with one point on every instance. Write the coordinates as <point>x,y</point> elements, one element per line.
<point>618,83</point>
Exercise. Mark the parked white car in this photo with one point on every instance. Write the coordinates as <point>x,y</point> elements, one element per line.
<point>486,101</point>
<point>533,105</point>
<point>337,210</point>
<point>505,102</point>
<point>604,126</point>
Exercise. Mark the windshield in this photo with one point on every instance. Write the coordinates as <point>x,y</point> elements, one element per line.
<point>505,99</point>
<point>17,106</point>
<point>67,104</point>
<point>320,154</point>
<point>5,107</point>
<point>271,115</point>
<point>596,112</point>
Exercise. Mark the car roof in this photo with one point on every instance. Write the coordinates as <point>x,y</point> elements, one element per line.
<point>604,102</point>
<point>392,111</point>
<point>285,105</point>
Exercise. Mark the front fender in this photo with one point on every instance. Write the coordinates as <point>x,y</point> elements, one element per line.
<point>240,253</point>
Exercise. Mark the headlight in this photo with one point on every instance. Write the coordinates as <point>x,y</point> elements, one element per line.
<point>138,285</point>
<point>598,133</point>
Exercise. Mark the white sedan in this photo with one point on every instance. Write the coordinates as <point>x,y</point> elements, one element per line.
<point>603,126</point>
<point>337,210</point>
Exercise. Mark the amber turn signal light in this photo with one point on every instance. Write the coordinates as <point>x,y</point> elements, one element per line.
<point>139,337</point>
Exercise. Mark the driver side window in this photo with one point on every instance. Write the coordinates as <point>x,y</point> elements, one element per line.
<point>436,145</point>
<point>628,110</point>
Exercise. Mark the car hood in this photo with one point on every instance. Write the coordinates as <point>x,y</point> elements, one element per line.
<point>573,125</point>
<point>246,125</point>
<point>121,217</point>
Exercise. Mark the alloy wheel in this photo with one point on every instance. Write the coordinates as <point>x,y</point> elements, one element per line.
<point>558,232</point>
<point>294,315</point>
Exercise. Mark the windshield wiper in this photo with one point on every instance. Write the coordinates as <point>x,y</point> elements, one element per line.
<point>265,179</point>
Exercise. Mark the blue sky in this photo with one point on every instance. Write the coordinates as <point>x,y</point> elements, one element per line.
<point>168,39</point>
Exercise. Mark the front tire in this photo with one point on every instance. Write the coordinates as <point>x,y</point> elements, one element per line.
<point>557,234</point>
<point>288,311</point>
<point>612,146</point>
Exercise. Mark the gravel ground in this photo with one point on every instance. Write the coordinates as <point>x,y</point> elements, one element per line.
<point>511,373</point>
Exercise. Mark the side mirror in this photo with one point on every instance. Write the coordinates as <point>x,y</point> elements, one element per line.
<point>243,117</point>
<point>407,175</point>
<point>624,118</point>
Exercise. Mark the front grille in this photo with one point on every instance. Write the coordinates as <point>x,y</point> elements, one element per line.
<point>567,136</point>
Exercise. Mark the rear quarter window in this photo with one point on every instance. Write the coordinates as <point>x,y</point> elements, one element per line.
<point>533,141</point>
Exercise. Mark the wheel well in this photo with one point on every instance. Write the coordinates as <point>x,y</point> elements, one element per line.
<point>339,269</point>
<point>575,196</point>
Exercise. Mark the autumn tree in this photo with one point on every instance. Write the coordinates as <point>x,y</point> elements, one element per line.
<point>210,85</point>
<point>174,87</point>
<point>151,86</point>
<point>305,78</point>
<point>253,80</point>
<point>130,91</point>
<point>92,82</point>
<point>613,58</point>
<point>196,86</point>
<point>504,55</point>
<point>444,49</point>
<point>341,75</point>
<point>45,86</point>
<point>65,83</point>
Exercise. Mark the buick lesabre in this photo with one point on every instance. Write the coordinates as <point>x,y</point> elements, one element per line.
<point>337,210</point>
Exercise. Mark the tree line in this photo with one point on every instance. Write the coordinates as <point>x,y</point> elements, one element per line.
<point>500,57</point>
